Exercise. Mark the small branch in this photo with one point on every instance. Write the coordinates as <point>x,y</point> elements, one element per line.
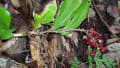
<point>99,14</point>
<point>47,31</point>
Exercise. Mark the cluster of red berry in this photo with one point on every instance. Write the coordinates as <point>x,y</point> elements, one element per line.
<point>94,39</point>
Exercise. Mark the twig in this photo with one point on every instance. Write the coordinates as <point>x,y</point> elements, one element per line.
<point>47,31</point>
<point>101,18</point>
<point>99,14</point>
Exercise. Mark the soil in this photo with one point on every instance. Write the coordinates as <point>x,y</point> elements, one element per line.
<point>64,48</point>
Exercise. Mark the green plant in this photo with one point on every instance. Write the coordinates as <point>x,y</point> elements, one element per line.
<point>46,17</point>
<point>92,54</point>
<point>5,21</point>
<point>100,60</point>
<point>94,39</point>
<point>96,53</point>
<point>70,15</point>
<point>75,63</point>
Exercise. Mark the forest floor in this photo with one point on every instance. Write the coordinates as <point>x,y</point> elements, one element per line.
<point>53,50</point>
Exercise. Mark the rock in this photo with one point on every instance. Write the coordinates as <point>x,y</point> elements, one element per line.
<point>8,63</point>
<point>114,47</point>
<point>114,51</point>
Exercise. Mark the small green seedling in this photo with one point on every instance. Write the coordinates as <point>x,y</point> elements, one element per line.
<point>75,63</point>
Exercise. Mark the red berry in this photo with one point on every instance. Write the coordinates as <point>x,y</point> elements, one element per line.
<point>89,32</point>
<point>92,54</point>
<point>88,37</point>
<point>91,29</point>
<point>100,35</point>
<point>100,45</point>
<point>102,50</point>
<point>96,37</point>
<point>93,44</point>
<point>94,34</point>
<point>89,42</point>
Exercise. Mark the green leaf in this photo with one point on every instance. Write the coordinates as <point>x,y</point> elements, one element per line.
<point>6,33</point>
<point>72,61</point>
<point>90,59</point>
<point>104,61</point>
<point>5,17</point>
<point>97,55</point>
<point>37,21</point>
<point>90,65</point>
<point>80,15</point>
<point>48,15</point>
<point>97,59</point>
<point>71,67</point>
<point>5,21</point>
<point>66,10</point>
<point>108,62</point>
<point>75,58</point>
<point>75,63</point>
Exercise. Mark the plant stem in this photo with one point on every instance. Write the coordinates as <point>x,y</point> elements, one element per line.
<point>47,31</point>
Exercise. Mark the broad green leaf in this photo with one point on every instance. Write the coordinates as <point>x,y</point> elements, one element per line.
<point>65,12</point>
<point>80,15</point>
<point>5,21</point>
<point>48,15</point>
<point>5,17</point>
<point>5,33</point>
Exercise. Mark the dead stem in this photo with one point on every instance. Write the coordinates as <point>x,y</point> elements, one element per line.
<point>47,31</point>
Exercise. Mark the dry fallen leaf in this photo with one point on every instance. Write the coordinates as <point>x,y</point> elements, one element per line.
<point>15,3</point>
<point>9,63</point>
<point>115,29</point>
<point>51,53</point>
<point>58,45</point>
<point>113,11</point>
<point>113,47</point>
<point>109,41</point>
<point>91,13</point>
<point>75,38</point>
